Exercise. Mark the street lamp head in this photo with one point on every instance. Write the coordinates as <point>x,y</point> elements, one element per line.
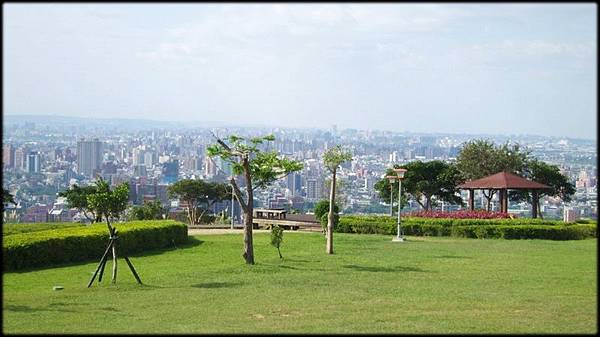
<point>392,179</point>
<point>400,172</point>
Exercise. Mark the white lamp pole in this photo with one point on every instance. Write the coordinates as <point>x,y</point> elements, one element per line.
<point>399,237</point>
<point>392,179</point>
<point>232,206</point>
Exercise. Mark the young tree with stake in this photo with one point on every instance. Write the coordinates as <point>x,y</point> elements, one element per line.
<point>109,204</point>
<point>277,238</point>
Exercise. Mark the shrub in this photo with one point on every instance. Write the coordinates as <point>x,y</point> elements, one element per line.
<point>462,214</point>
<point>16,228</point>
<point>324,220</point>
<point>469,228</point>
<point>67,245</point>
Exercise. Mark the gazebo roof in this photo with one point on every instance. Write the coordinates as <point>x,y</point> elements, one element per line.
<point>503,180</point>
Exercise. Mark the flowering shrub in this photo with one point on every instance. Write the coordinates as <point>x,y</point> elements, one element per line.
<point>463,214</point>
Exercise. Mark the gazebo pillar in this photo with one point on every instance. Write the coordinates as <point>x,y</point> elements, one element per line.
<point>471,199</point>
<point>501,194</point>
<point>534,203</point>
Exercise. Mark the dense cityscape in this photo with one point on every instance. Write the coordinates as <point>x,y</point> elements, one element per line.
<point>44,155</point>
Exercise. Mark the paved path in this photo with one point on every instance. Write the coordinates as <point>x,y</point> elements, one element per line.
<point>212,231</point>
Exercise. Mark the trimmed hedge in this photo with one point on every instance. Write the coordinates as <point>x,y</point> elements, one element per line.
<point>76,244</point>
<point>16,228</point>
<point>470,228</point>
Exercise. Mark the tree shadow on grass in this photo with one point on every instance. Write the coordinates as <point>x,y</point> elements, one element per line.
<point>213,285</point>
<point>385,269</point>
<point>301,261</point>
<point>25,308</point>
<point>451,257</point>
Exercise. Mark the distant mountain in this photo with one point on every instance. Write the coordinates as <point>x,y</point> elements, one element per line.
<point>118,123</point>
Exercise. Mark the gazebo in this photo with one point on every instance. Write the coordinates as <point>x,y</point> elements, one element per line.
<point>504,181</point>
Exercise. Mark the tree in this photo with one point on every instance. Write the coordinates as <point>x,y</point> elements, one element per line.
<point>547,174</point>
<point>481,158</point>
<point>332,159</point>
<point>389,193</point>
<point>423,181</point>
<point>342,190</point>
<point>150,210</point>
<point>7,197</point>
<point>109,204</point>
<point>322,207</point>
<point>77,197</point>
<point>259,169</point>
<point>194,192</point>
<point>321,211</point>
<point>277,238</point>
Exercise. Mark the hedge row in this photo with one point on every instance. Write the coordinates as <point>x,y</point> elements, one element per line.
<point>58,246</point>
<point>469,228</point>
<point>16,228</point>
<point>462,222</point>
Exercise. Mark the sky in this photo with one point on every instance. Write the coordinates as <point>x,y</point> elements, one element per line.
<point>438,68</point>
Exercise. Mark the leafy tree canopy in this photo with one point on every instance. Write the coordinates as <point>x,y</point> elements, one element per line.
<point>480,158</point>
<point>424,181</point>
<point>150,210</point>
<point>336,156</point>
<point>547,174</point>
<point>322,207</point>
<point>108,203</point>
<point>194,192</point>
<point>77,197</point>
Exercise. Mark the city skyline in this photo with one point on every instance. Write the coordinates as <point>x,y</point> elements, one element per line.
<point>431,68</point>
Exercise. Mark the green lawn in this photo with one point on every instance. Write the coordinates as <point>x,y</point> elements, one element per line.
<point>370,285</point>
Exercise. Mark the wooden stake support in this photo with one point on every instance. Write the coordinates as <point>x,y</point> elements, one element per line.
<point>100,269</point>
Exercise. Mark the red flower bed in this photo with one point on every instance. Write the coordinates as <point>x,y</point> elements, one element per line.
<point>463,214</point>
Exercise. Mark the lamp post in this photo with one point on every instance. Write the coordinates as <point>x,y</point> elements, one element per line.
<point>232,206</point>
<point>400,172</point>
<point>392,179</point>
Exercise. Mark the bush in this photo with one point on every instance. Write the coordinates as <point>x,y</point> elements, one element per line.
<point>462,214</point>
<point>16,228</point>
<point>325,219</point>
<point>67,245</point>
<point>469,228</point>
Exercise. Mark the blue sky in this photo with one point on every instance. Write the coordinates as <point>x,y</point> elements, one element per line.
<point>459,68</point>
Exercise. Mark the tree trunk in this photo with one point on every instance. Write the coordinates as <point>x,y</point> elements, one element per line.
<point>189,214</point>
<point>248,219</point>
<point>114,254</point>
<point>329,246</point>
<point>428,203</point>
<point>489,199</point>
<point>111,230</point>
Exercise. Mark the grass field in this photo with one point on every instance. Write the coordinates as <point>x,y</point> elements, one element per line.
<point>370,285</point>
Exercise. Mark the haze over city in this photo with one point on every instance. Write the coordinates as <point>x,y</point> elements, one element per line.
<point>458,68</point>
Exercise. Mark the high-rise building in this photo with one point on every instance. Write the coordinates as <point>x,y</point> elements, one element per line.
<point>138,156</point>
<point>20,158</point>
<point>89,157</point>
<point>313,188</point>
<point>8,155</point>
<point>210,167</point>
<point>140,171</point>
<point>34,162</point>
<point>294,183</point>
<point>149,158</point>
<point>170,171</point>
